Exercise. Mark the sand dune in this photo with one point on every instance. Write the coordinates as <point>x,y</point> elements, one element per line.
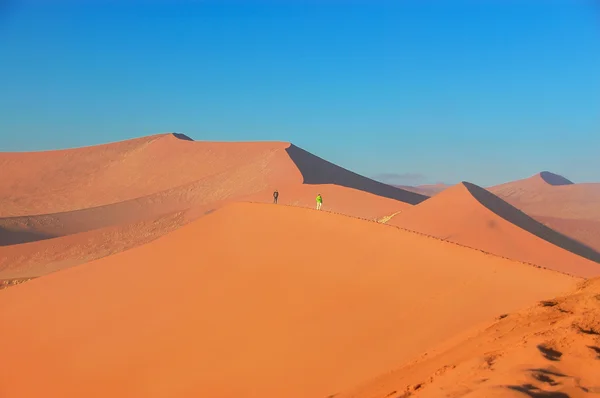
<point>549,350</point>
<point>31,260</point>
<point>584,231</point>
<point>470,215</point>
<point>73,179</point>
<point>308,304</point>
<point>427,189</point>
<point>551,195</point>
<point>57,193</point>
<point>571,209</point>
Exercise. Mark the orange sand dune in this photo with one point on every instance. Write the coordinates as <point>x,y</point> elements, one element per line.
<point>550,350</point>
<point>31,260</point>
<point>94,233</point>
<point>551,195</point>
<point>308,304</point>
<point>74,179</point>
<point>584,231</point>
<point>471,216</point>
<point>57,193</point>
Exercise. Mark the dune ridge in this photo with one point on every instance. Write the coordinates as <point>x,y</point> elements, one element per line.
<point>286,318</point>
<point>559,198</point>
<point>470,215</point>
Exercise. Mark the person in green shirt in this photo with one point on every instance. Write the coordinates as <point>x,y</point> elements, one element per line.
<point>319,201</point>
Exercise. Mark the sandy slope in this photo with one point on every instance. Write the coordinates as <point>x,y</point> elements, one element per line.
<point>550,195</point>
<point>66,180</point>
<point>34,259</point>
<point>571,209</point>
<point>469,215</point>
<point>57,193</point>
<point>585,231</point>
<point>336,199</point>
<point>308,304</point>
<point>548,350</point>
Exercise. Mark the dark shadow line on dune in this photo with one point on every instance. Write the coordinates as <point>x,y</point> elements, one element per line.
<point>535,392</point>
<point>554,179</point>
<point>595,349</point>
<point>182,137</point>
<point>316,170</point>
<point>11,237</point>
<point>523,221</point>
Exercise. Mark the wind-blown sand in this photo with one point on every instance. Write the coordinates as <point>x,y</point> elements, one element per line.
<point>471,216</point>
<point>549,350</point>
<point>253,300</point>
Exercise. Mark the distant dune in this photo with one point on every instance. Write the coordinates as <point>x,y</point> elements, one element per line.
<point>427,190</point>
<point>470,215</point>
<point>548,350</point>
<point>571,209</point>
<point>253,300</point>
<point>551,195</point>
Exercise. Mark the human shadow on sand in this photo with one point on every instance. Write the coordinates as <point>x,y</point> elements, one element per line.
<point>316,170</point>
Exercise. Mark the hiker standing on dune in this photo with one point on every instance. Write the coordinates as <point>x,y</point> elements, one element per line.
<point>319,201</point>
<point>275,196</point>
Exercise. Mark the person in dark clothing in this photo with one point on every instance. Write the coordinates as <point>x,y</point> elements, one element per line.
<point>275,196</point>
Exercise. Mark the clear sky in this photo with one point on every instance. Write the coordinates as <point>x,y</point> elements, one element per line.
<point>420,91</point>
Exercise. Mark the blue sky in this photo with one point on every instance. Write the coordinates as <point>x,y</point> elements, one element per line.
<point>426,91</point>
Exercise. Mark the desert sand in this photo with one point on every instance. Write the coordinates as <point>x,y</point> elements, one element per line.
<point>551,349</point>
<point>159,267</point>
<point>569,208</point>
<point>471,216</point>
<point>81,204</point>
<point>278,316</point>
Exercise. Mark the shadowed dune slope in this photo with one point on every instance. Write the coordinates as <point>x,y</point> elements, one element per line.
<point>584,231</point>
<point>319,171</point>
<point>551,195</point>
<point>308,304</point>
<point>254,176</point>
<point>470,215</point>
<point>549,350</point>
<point>58,193</point>
<point>40,258</point>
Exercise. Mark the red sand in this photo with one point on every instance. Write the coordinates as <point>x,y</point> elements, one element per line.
<point>336,199</point>
<point>252,301</point>
<point>471,216</point>
<point>571,209</point>
<point>550,350</point>
<point>537,197</point>
<point>58,193</point>
<point>66,180</point>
